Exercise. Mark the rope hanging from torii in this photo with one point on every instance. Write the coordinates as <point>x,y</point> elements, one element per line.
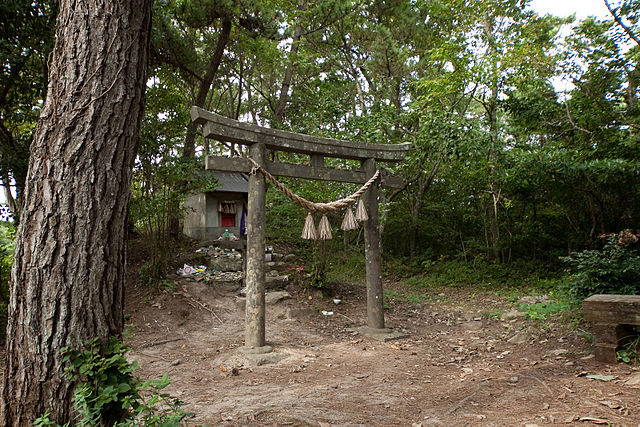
<point>324,229</point>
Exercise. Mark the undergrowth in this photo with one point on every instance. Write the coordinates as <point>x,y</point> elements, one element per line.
<point>108,393</point>
<point>630,351</point>
<point>7,237</point>
<point>525,277</point>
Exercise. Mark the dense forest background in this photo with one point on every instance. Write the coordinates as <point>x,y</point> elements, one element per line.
<point>525,127</point>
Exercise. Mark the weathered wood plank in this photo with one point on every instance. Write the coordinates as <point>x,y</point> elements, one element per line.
<point>614,309</point>
<point>610,316</point>
<point>317,160</point>
<point>229,130</point>
<point>242,165</point>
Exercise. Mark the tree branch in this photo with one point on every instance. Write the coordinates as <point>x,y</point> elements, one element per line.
<point>621,24</point>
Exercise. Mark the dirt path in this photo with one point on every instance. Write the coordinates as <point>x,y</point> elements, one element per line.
<point>456,366</point>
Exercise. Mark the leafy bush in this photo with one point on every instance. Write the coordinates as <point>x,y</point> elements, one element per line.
<point>613,270</point>
<point>109,394</point>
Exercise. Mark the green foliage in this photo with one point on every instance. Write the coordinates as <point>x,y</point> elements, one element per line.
<point>630,352</point>
<point>285,219</point>
<point>108,393</point>
<point>542,310</point>
<point>7,237</point>
<point>346,266</point>
<point>27,28</point>
<point>391,296</point>
<point>493,314</point>
<point>150,272</point>
<point>613,270</point>
<point>484,275</point>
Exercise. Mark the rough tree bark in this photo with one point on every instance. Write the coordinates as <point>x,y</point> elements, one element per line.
<point>67,283</point>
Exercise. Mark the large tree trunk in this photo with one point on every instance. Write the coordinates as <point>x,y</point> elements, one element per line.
<point>67,283</point>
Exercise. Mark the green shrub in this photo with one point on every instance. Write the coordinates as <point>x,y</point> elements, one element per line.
<point>613,270</point>
<point>108,393</point>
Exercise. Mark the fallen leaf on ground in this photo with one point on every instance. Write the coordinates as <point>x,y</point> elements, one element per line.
<point>600,377</point>
<point>634,381</point>
<point>610,404</point>
<point>594,420</point>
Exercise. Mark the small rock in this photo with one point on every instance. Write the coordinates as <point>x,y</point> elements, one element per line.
<point>519,338</point>
<point>175,362</point>
<point>274,297</point>
<point>225,264</point>
<point>289,258</point>
<point>512,315</point>
<point>513,380</point>
<point>534,299</point>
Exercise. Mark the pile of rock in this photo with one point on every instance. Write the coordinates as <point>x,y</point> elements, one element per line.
<point>225,268</point>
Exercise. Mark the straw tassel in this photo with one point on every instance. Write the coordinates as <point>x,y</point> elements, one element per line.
<point>309,231</point>
<point>349,221</point>
<point>361,212</point>
<point>324,229</point>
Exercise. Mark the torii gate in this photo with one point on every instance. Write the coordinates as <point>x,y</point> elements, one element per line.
<point>259,139</point>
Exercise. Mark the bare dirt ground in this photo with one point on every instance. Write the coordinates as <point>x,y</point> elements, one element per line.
<point>455,367</point>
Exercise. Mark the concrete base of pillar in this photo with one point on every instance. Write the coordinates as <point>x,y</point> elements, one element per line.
<point>261,355</point>
<point>384,334</point>
<point>256,350</point>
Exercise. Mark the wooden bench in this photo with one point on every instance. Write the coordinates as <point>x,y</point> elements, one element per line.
<point>611,316</point>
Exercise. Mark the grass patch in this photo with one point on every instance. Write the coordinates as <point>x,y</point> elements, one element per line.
<point>391,296</point>
<point>508,279</point>
<point>542,310</point>
<point>345,267</point>
<point>493,314</point>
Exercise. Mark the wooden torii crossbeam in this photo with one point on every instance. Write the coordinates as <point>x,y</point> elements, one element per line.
<point>259,139</point>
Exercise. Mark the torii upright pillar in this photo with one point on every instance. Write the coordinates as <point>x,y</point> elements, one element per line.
<point>254,339</point>
<point>373,255</point>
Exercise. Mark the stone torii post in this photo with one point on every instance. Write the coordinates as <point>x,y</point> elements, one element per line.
<point>260,139</point>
